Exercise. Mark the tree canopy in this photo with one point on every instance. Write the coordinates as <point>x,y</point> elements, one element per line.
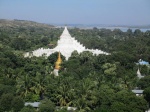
<point>87,82</point>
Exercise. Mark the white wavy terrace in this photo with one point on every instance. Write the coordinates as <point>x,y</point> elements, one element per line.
<point>66,45</point>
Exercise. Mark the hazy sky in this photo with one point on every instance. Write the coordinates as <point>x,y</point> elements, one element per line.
<point>126,12</point>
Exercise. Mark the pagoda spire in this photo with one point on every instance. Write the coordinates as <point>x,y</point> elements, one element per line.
<point>58,62</point>
<point>65,32</point>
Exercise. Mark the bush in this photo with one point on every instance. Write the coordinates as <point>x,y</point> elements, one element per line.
<point>46,106</point>
<point>17,104</point>
<point>28,109</point>
<point>147,95</point>
<point>5,102</point>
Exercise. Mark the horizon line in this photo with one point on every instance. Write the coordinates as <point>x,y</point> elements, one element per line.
<point>63,24</point>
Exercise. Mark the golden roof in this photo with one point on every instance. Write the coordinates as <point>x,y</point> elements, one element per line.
<point>58,62</point>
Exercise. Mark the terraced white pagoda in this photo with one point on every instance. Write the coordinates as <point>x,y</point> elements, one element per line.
<point>65,45</point>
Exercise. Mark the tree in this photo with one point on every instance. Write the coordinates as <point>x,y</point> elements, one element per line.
<point>129,32</point>
<point>101,110</point>
<point>45,40</point>
<point>28,109</point>
<point>109,69</point>
<point>138,104</point>
<point>23,85</point>
<point>46,106</point>
<point>146,94</point>
<point>110,72</point>
<point>53,58</point>
<point>119,107</point>
<point>144,82</point>
<point>39,84</point>
<point>85,57</point>
<point>4,89</point>
<point>65,92</point>
<point>137,32</point>
<point>117,32</point>
<point>17,104</point>
<point>62,110</point>
<point>19,44</point>
<point>74,54</point>
<point>106,96</point>
<point>86,99</point>
<point>144,69</point>
<point>5,102</point>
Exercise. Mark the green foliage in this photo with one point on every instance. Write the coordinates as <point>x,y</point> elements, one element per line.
<point>145,70</point>
<point>31,97</point>
<point>17,104</point>
<point>144,82</point>
<point>62,110</point>
<point>109,69</point>
<point>4,89</point>
<point>53,58</point>
<point>138,104</point>
<point>46,106</point>
<point>88,82</point>
<point>119,107</point>
<point>5,102</point>
<point>147,94</point>
<point>19,44</point>
<point>28,109</point>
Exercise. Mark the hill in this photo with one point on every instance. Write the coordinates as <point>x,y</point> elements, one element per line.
<point>25,35</point>
<point>22,23</point>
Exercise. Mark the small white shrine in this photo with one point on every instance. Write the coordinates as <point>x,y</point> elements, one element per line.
<point>139,75</point>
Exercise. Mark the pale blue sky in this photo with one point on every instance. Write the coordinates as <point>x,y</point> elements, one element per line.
<point>123,12</point>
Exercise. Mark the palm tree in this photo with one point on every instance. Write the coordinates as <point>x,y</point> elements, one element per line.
<point>81,104</point>
<point>23,85</point>
<point>85,96</point>
<point>39,83</point>
<point>65,93</point>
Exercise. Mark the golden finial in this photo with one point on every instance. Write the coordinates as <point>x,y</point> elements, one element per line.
<point>58,62</point>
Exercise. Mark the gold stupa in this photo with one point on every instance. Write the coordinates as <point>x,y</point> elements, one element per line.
<point>58,62</point>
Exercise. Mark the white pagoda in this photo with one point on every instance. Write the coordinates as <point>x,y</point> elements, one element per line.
<point>65,45</point>
<point>139,74</point>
